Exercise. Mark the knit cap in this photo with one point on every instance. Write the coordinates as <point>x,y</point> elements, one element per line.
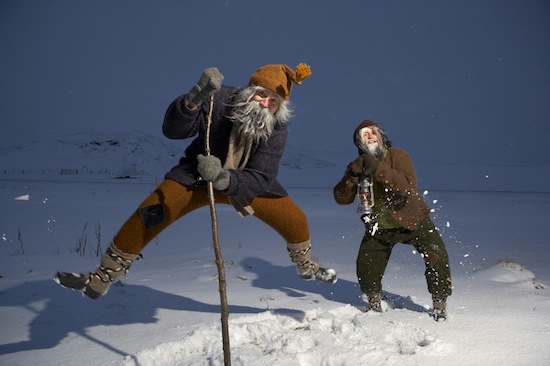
<point>369,123</point>
<point>279,78</point>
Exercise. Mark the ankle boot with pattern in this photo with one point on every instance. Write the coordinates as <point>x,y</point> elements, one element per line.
<point>113,265</point>
<point>440,309</point>
<point>300,254</point>
<point>375,303</point>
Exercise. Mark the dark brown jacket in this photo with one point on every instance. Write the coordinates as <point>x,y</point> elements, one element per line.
<point>397,178</point>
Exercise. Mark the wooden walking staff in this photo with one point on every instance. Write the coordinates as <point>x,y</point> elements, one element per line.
<point>217,251</point>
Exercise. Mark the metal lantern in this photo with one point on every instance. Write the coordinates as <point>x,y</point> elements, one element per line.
<point>365,199</point>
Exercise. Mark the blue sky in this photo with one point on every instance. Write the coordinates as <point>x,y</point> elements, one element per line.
<point>459,82</point>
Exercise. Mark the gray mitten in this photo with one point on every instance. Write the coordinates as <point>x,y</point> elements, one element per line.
<point>209,83</point>
<point>210,169</point>
<point>222,181</point>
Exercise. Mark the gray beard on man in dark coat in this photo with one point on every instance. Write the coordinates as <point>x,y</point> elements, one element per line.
<point>254,120</point>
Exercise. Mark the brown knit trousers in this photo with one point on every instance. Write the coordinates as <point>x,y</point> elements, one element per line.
<point>281,213</point>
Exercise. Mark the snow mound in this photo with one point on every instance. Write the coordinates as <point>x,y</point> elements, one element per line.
<point>510,272</point>
<point>342,336</point>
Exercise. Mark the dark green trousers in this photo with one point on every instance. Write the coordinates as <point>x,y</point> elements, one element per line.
<point>375,252</point>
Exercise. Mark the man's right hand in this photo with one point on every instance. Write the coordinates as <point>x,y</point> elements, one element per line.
<point>209,83</point>
<point>363,165</point>
<point>356,167</point>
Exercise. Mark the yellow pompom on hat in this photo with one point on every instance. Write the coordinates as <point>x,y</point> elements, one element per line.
<point>279,78</point>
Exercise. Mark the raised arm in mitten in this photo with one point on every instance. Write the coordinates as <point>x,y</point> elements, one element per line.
<point>209,83</point>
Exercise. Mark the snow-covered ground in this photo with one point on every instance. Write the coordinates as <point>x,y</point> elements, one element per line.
<point>166,311</point>
<point>461,85</point>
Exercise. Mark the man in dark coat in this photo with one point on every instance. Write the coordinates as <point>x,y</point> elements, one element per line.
<point>397,213</point>
<point>249,129</point>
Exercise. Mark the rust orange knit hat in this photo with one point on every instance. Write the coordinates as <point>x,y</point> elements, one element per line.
<point>279,78</point>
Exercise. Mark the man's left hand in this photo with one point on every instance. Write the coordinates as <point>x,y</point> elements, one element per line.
<point>210,169</point>
<point>363,165</point>
<point>370,163</point>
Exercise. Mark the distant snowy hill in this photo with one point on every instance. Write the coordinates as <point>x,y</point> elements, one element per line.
<point>93,155</point>
<point>138,155</point>
<point>90,154</point>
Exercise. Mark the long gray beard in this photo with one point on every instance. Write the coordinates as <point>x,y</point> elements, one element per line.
<point>253,120</point>
<point>376,150</point>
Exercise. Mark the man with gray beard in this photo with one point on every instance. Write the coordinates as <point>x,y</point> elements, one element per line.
<point>398,214</point>
<point>248,135</point>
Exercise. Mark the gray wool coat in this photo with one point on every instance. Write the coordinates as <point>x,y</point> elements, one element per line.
<point>259,176</point>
